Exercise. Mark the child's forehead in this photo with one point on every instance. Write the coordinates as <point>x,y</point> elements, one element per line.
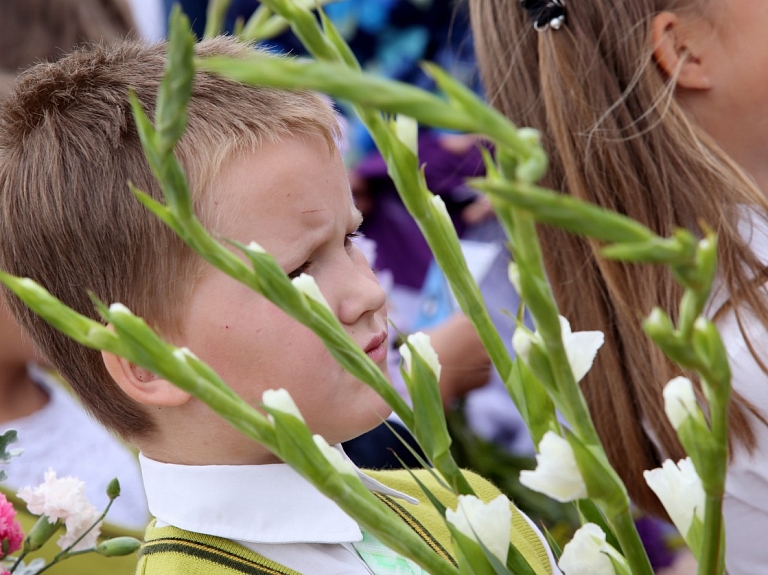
<point>289,184</point>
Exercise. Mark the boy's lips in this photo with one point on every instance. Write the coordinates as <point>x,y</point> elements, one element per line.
<point>377,347</point>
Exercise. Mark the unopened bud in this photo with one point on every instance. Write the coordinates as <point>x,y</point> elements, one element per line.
<point>40,533</point>
<point>118,546</point>
<point>113,489</point>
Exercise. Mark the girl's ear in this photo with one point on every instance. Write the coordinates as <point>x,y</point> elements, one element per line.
<point>142,385</point>
<point>678,50</point>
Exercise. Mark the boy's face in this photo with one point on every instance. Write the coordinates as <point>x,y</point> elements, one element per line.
<point>293,199</point>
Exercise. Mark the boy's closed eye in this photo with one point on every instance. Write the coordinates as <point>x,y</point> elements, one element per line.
<point>304,268</point>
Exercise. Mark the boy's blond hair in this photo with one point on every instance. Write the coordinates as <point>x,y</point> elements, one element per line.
<point>69,145</point>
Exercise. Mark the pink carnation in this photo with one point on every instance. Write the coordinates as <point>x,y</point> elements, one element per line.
<point>10,528</point>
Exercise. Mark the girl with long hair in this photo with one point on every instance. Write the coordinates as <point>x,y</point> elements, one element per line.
<point>655,109</point>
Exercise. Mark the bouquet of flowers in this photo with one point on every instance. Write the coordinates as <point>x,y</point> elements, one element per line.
<point>572,465</point>
<point>60,504</point>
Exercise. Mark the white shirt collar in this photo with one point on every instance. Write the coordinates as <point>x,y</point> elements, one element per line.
<point>250,503</point>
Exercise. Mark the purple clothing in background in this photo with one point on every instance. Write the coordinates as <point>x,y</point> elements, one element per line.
<point>400,245</point>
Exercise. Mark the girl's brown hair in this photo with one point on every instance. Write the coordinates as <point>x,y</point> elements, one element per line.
<point>617,138</point>
<point>69,146</point>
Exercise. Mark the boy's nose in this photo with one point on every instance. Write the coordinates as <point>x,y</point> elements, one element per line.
<point>363,294</point>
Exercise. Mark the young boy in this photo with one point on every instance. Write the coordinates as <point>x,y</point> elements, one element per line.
<point>262,166</point>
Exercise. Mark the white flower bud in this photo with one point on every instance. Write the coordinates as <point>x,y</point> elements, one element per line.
<point>256,248</point>
<point>489,523</point>
<point>588,553</point>
<point>334,456</point>
<point>557,474</point>
<point>513,273</point>
<point>421,343</point>
<point>183,354</point>
<point>439,205</point>
<point>281,400</point>
<point>522,342</point>
<point>119,309</point>
<point>530,136</point>
<point>407,131</point>
<point>679,489</point>
<point>306,284</point>
<point>679,401</point>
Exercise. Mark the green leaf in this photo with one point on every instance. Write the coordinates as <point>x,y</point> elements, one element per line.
<point>176,86</point>
<point>552,542</point>
<point>10,436</point>
<point>334,37</point>
<point>469,554</point>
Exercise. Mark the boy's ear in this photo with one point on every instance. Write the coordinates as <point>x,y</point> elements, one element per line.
<point>142,385</point>
<point>677,49</point>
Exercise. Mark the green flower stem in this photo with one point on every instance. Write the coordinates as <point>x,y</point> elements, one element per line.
<point>19,559</point>
<point>429,425</point>
<point>539,299</point>
<point>214,17</point>
<point>252,30</point>
<point>66,553</point>
<point>712,559</point>
<point>631,545</point>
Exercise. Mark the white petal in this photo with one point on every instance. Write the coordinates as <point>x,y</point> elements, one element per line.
<point>489,522</point>
<point>679,489</point>
<point>557,473</point>
<point>580,347</point>
<point>587,553</point>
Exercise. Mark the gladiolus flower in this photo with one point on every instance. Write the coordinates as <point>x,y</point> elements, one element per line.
<point>580,347</point>
<point>423,346</point>
<point>281,400</point>
<point>557,473</point>
<point>588,553</point>
<point>679,489</point>
<point>489,523</point>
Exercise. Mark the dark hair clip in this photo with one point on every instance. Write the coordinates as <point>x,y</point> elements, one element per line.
<point>545,13</point>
